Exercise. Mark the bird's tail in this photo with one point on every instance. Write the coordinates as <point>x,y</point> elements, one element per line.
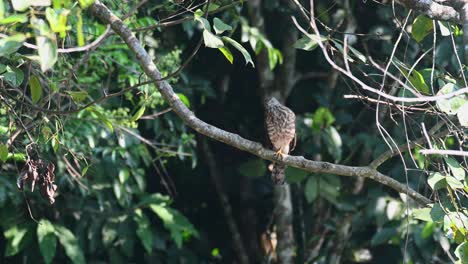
<point>278,173</point>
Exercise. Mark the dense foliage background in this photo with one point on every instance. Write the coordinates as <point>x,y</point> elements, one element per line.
<point>119,178</point>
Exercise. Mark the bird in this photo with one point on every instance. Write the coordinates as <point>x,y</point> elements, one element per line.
<point>281,128</point>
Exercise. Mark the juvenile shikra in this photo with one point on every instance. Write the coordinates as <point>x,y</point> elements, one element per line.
<point>281,128</point>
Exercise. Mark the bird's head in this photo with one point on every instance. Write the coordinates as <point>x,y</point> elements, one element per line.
<point>271,101</point>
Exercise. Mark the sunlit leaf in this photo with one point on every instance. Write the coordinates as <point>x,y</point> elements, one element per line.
<point>452,105</point>
<point>124,174</point>
<point>16,237</point>
<point>16,18</point>
<point>86,3</point>
<point>322,118</point>
<point>144,230</point>
<point>139,113</point>
<point>47,44</point>
<point>444,28</point>
<point>58,21</point>
<point>417,80</point>
<point>95,111</point>
<point>422,26</point>
<point>184,99</point>
<point>36,88</point>
<point>47,240</point>
<point>11,44</point>
<point>227,53</point>
<point>211,40</point>
<point>457,170</point>
<point>177,224</point>
<point>454,183</point>
<point>243,51</point>
<point>436,181</point>
<point>3,152</point>
<point>462,115</point>
<point>70,244</point>
<point>79,29</point>
<point>462,252</point>
<point>423,214</point>
<point>333,142</point>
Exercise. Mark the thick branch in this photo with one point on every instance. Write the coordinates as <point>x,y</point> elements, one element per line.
<point>433,10</point>
<point>189,118</point>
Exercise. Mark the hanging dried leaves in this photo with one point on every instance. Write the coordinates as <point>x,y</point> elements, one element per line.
<point>37,171</point>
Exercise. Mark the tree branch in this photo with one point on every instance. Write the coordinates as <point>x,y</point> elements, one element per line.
<point>102,12</point>
<point>433,10</point>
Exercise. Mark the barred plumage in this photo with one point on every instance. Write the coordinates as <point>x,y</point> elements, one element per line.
<point>281,128</point>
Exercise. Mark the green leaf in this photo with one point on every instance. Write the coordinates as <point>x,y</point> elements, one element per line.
<point>383,235</point>
<point>219,26</point>
<point>139,113</point>
<point>423,214</point>
<point>45,40</point>
<point>462,115</point>
<point>311,189</point>
<point>253,168</point>
<point>36,88</point>
<point>16,18</point>
<point>295,175</point>
<point>211,40</point>
<point>417,80</point>
<point>444,28</point>
<point>457,170</point>
<point>79,29</point>
<point>306,43</point>
<point>452,105</point>
<point>11,44</point>
<point>227,53</point>
<point>329,187</point>
<point>175,222</point>
<point>86,3</point>
<point>78,96</point>
<point>422,26</point>
<point>109,232</point>
<point>243,51</point>
<point>15,240</point>
<point>205,23</point>
<point>124,174</point>
<point>333,142</point>
<point>454,183</point>
<point>462,252</point>
<point>144,230</point>
<point>322,118</point>
<point>3,152</point>
<point>20,5</point>
<point>55,143</point>
<point>13,76</point>
<point>428,230</point>
<point>184,99</point>
<point>98,114</point>
<point>57,21</point>
<point>70,244</point>
<point>47,240</point>
<point>436,181</point>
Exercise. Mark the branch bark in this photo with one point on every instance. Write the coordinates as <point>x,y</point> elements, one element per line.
<point>433,10</point>
<point>103,13</point>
